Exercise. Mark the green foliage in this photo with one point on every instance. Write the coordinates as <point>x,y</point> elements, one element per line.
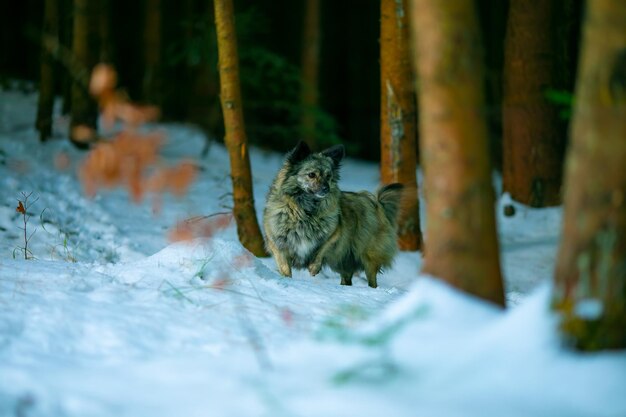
<point>271,89</point>
<point>371,372</point>
<point>270,83</point>
<point>563,99</point>
<point>339,327</point>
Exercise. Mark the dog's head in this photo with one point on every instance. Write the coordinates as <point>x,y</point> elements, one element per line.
<point>314,173</point>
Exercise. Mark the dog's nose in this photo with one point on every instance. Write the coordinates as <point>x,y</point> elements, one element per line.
<point>323,191</point>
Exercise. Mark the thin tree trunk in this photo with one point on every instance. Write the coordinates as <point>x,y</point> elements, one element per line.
<point>590,277</point>
<point>152,52</point>
<point>66,31</point>
<point>310,71</point>
<point>236,141</point>
<point>461,244</point>
<point>48,72</point>
<point>85,50</point>
<point>533,143</point>
<point>398,120</point>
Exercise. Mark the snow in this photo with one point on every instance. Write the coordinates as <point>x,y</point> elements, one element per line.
<point>111,318</point>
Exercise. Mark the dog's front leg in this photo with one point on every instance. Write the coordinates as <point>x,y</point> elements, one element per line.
<point>316,265</point>
<point>281,261</point>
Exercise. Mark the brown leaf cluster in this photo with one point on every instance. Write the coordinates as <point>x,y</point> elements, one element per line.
<point>197,227</point>
<point>131,158</point>
<point>114,104</point>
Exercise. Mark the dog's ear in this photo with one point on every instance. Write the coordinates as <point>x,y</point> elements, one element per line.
<point>336,153</point>
<point>299,153</point>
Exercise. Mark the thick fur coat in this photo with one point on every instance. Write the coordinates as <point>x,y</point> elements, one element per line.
<point>309,222</point>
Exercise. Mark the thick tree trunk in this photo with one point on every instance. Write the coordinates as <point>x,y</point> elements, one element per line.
<point>461,244</point>
<point>590,277</point>
<point>398,122</point>
<point>533,142</point>
<point>48,72</point>
<point>310,70</point>
<point>85,50</point>
<point>152,52</point>
<point>236,141</point>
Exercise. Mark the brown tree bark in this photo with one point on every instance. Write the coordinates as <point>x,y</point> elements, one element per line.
<point>533,142</point>
<point>461,244</point>
<point>48,72</point>
<point>152,52</point>
<point>310,71</point>
<point>85,44</point>
<point>398,121</point>
<point>590,277</point>
<point>236,140</point>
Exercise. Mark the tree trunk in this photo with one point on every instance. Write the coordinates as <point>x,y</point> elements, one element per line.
<point>48,73</point>
<point>152,52</point>
<point>461,244</point>
<point>310,71</point>
<point>85,50</point>
<point>66,31</point>
<point>533,142</point>
<point>590,277</point>
<point>235,139</point>
<point>398,123</point>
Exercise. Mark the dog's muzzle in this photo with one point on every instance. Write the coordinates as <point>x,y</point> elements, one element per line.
<point>322,192</point>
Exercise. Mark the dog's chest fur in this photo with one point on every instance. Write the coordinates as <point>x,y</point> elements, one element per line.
<point>300,232</point>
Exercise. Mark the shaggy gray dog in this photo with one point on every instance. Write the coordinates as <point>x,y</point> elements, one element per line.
<point>309,222</point>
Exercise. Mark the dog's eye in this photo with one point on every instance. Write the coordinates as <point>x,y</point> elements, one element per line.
<point>312,175</point>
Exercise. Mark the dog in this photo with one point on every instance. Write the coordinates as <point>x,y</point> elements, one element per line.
<point>309,222</point>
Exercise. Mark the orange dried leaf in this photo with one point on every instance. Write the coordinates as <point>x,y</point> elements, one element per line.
<point>243,261</point>
<point>287,315</point>
<point>20,208</point>
<point>221,283</point>
<point>103,79</point>
<point>181,232</point>
<point>197,227</point>
<point>181,177</point>
<point>83,134</point>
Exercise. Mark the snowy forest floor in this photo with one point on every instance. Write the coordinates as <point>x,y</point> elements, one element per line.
<point>112,319</point>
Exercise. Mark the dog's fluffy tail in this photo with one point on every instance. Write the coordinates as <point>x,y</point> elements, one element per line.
<point>389,198</point>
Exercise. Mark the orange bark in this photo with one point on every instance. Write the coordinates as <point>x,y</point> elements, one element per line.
<point>236,141</point>
<point>461,244</point>
<point>532,139</point>
<point>310,70</point>
<point>590,277</point>
<point>398,117</point>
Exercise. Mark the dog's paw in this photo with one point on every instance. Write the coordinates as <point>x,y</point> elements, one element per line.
<point>315,268</point>
<point>285,270</point>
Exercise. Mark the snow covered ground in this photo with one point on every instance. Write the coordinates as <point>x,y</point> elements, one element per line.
<point>111,319</point>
